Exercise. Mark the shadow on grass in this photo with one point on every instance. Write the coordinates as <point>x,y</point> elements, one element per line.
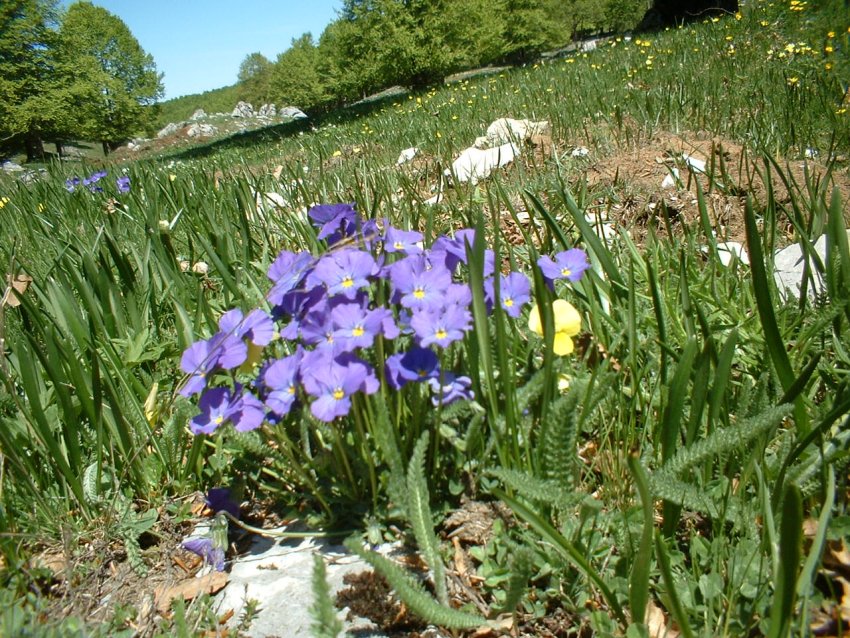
<point>276,132</point>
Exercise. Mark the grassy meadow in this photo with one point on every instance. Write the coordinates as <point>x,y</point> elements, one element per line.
<point>682,470</point>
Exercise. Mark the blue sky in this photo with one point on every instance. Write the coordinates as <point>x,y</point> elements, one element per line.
<point>199,44</point>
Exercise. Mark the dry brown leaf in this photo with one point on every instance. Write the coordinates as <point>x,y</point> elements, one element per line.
<point>14,287</point>
<point>189,589</point>
<point>502,624</point>
<point>277,171</point>
<point>658,624</point>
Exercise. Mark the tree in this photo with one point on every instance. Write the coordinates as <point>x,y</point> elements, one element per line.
<point>254,77</point>
<point>295,77</point>
<point>623,15</point>
<point>113,80</point>
<point>33,98</point>
<point>525,29</point>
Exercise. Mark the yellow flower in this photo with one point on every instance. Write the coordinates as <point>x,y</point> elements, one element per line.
<point>831,34</point>
<point>567,325</point>
<point>172,177</point>
<point>3,201</point>
<point>337,153</point>
<point>793,81</point>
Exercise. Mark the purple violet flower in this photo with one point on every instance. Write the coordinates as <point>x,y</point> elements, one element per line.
<point>71,184</point>
<point>514,292</point>
<point>336,221</point>
<point>355,326</point>
<point>287,271</point>
<point>216,406</point>
<point>417,364</point>
<point>123,184</point>
<point>222,351</point>
<point>568,264</point>
<point>441,327</point>
<point>218,499</point>
<point>418,286</point>
<point>247,412</point>
<point>345,271</point>
<point>404,241</point>
<point>331,383</point>
<point>453,389</point>
<point>280,378</point>
<point>204,547</point>
<point>257,327</point>
<point>454,250</point>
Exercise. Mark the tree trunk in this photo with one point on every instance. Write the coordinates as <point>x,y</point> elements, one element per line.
<point>35,147</point>
<point>105,145</point>
<point>59,149</point>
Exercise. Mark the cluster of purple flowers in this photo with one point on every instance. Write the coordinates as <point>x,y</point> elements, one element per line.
<point>122,184</point>
<point>327,310</point>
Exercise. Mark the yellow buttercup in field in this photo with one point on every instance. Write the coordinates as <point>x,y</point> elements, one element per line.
<point>567,325</point>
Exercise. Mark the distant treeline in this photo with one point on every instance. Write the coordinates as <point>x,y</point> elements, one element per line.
<point>374,44</point>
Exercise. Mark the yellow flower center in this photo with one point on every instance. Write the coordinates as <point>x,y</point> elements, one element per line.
<point>358,331</point>
<point>218,420</point>
<point>398,245</point>
<point>508,302</point>
<point>348,282</point>
<point>338,394</point>
<point>442,334</point>
<point>291,389</point>
<point>419,293</point>
<point>565,272</point>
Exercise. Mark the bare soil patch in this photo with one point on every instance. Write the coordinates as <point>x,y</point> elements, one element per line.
<point>633,176</point>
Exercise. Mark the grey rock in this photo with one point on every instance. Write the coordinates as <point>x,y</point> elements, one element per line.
<point>169,129</point>
<point>201,130</point>
<point>11,167</point>
<point>243,109</point>
<point>788,269</point>
<point>277,574</point>
<point>267,110</point>
<point>199,114</point>
<point>292,112</point>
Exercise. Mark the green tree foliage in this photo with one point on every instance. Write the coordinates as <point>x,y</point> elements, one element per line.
<point>295,77</point>
<point>255,74</point>
<point>113,80</point>
<point>376,46</point>
<point>622,15</point>
<point>32,97</point>
<point>525,29</point>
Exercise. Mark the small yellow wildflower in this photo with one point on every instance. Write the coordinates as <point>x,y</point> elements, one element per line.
<point>793,81</point>
<point>738,16</point>
<point>828,49</point>
<point>3,201</point>
<point>764,23</point>
<point>567,325</point>
<point>336,153</point>
<point>831,34</point>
